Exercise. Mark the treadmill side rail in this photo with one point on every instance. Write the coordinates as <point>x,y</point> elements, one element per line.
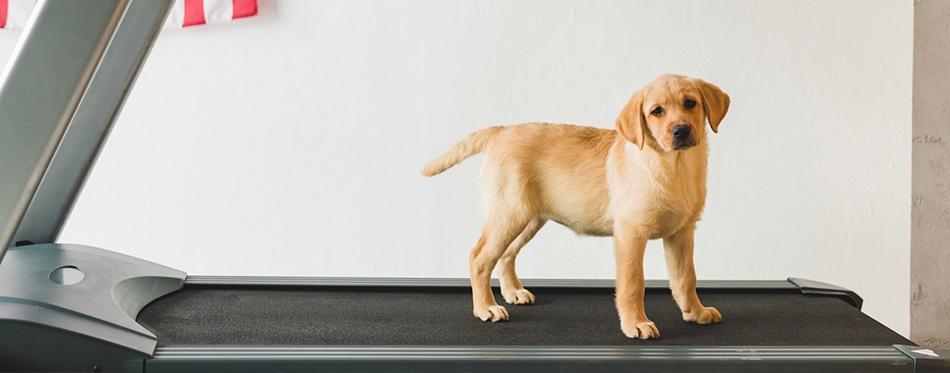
<point>521,359</point>
<point>812,287</point>
<point>73,307</point>
<point>464,282</point>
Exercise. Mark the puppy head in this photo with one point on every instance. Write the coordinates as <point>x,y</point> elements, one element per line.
<point>671,112</point>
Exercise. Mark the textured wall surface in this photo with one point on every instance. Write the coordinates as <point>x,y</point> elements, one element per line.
<point>930,230</point>
<point>291,143</point>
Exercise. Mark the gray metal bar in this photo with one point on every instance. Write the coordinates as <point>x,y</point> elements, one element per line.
<point>540,352</point>
<point>635,358</point>
<point>40,89</point>
<point>464,282</point>
<point>92,122</point>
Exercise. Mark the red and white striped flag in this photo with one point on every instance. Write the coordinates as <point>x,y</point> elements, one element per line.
<point>199,12</point>
<point>184,13</point>
<point>14,13</point>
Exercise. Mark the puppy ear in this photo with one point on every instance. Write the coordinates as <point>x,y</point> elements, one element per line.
<point>715,103</point>
<point>631,121</point>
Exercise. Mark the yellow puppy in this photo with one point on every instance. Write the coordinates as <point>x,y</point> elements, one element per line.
<point>646,180</point>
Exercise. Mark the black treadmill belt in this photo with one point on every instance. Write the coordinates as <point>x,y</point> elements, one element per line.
<point>210,315</point>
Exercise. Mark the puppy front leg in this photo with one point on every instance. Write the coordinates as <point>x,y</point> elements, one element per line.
<point>630,245</point>
<point>679,262</point>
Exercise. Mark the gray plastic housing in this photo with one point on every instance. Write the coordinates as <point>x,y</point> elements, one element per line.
<point>51,326</point>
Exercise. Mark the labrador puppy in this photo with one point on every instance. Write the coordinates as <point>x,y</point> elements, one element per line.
<point>645,180</point>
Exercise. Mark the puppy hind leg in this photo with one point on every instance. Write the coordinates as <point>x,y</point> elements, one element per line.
<point>497,235</point>
<point>511,288</point>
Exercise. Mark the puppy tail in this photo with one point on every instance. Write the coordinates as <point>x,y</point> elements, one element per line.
<point>469,146</point>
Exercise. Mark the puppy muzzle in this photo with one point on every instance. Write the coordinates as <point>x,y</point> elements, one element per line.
<point>682,137</point>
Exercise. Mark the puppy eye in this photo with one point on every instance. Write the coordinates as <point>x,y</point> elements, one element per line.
<point>689,104</point>
<point>657,112</point>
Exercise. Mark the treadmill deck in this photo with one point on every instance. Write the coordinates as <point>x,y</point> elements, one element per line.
<point>230,315</point>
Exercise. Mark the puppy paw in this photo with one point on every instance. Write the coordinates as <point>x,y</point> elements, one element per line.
<point>493,313</point>
<point>520,296</point>
<point>706,315</point>
<point>641,330</point>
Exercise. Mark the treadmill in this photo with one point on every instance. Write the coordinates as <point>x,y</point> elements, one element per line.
<point>67,307</point>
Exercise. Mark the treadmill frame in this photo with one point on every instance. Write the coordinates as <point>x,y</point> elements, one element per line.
<point>82,59</point>
<point>521,359</point>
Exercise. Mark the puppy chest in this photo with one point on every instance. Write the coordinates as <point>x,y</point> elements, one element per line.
<point>663,215</point>
<point>668,221</point>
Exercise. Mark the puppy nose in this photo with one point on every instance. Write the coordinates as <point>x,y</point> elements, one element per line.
<point>680,131</point>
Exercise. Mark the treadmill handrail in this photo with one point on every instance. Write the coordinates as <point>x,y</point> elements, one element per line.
<point>40,89</point>
<point>92,122</point>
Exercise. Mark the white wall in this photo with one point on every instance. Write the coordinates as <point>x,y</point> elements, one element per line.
<point>291,143</point>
